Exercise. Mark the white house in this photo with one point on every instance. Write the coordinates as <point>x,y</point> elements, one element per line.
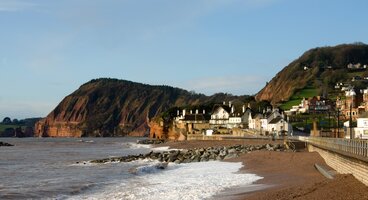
<point>271,122</point>
<point>234,121</point>
<point>301,108</point>
<point>220,116</point>
<point>361,131</point>
<point>278,125</point>
<point>255,121</point>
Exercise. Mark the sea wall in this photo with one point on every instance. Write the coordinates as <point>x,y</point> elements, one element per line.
<point>344,164</point>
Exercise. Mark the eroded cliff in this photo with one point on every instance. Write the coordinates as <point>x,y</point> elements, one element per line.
<point>112,107</point>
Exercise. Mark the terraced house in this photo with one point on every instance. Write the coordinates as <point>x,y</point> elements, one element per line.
<point>226,117</point>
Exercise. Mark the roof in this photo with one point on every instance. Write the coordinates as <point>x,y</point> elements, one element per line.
<point>275,120</point>
<point>197,117</point>
<point>257,115</point>
<point>225,107</point>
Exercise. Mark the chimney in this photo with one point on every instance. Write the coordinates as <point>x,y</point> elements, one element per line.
<point>232,109</point>
<point>177,113</point>
<point>243,108</point>
<point>248,105</point>
<point>224,103</point>
<point>268,109</point>
<point>204,111</point>
<point>191,112</point>
<point>197,112</point>
<point>184,112</point>
<point>230,104</point>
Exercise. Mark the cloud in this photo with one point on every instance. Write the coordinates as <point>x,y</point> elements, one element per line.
<point>238,85</point>
<point>15,5</point>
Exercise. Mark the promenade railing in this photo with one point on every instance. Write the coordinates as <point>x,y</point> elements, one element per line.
<point>356,148</point>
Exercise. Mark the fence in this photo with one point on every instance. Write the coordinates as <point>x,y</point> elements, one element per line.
<point>356,148</point>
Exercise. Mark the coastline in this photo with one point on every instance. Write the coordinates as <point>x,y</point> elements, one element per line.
<point>287,175</point>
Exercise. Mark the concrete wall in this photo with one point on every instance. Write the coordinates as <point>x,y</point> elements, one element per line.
<point>203,137</point>
<point>343,164</point>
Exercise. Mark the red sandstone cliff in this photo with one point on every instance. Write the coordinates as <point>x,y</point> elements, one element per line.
<point>111,107</point>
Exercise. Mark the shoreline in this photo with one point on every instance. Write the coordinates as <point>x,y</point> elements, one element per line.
<point>286,175</point>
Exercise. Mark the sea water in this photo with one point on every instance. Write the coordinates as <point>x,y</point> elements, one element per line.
<point>58,168</point>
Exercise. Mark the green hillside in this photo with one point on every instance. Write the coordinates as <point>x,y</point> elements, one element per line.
<point>321,68</point>
<point>298,96</point>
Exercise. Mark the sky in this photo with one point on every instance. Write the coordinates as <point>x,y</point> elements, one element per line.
<point>49,48</point>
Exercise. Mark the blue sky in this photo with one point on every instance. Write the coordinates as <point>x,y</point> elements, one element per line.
<point>49,48</point>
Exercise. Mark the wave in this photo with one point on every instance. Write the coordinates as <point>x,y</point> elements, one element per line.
<point>155,167</point>
<point>133,145</point>
<point>177,181</point>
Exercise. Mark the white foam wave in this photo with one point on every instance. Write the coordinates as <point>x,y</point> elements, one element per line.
<point>133,145</point>
<point>153,167</point>
<point>161,149</point>
<point>184,181</point>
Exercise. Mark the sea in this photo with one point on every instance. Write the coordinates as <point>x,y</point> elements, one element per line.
<point>59,168</point>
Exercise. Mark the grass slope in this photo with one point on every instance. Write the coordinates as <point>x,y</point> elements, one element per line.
<point>298,96</point>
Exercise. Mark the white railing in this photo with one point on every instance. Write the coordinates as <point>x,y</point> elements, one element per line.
<point>356,147</point>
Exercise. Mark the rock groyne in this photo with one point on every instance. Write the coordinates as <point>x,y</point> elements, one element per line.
<point>196,154</point>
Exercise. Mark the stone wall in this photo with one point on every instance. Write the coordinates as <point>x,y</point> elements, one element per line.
<point>343,164</point>
<point>203,137</point>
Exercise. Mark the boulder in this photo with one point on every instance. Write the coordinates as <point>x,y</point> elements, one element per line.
<point>4,144</point>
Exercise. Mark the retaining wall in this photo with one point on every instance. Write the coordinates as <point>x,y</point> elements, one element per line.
<point>344,164</point>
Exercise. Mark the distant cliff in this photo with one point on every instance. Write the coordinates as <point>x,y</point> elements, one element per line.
<point>320,68</point>
<point>112,107</point>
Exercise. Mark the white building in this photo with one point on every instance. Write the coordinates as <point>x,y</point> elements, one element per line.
<point>279,126</point>
<point>270,122</point>
<point>361,131</point>
<point>220,116</point>
<point>234,121</point>
<point>301,108</point>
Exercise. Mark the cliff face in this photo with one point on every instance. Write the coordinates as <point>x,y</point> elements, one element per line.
<point>324,66</point>
<point>111,107</point>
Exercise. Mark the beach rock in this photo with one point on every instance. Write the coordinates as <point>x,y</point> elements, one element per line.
<point>232,151</point>
<point>228,156</point>
<point>173,157</point>
<point>195,155</point>
<point>269,147</point>
<point>4,144</point>
<point>161,165</point>
<point>150,141</point>
<point>219,157</point>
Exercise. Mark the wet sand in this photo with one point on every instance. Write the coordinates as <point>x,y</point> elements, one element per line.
<point>287,175</point>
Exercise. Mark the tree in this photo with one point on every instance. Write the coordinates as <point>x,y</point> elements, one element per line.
<point>15,121</point>
<point>7,120</point>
